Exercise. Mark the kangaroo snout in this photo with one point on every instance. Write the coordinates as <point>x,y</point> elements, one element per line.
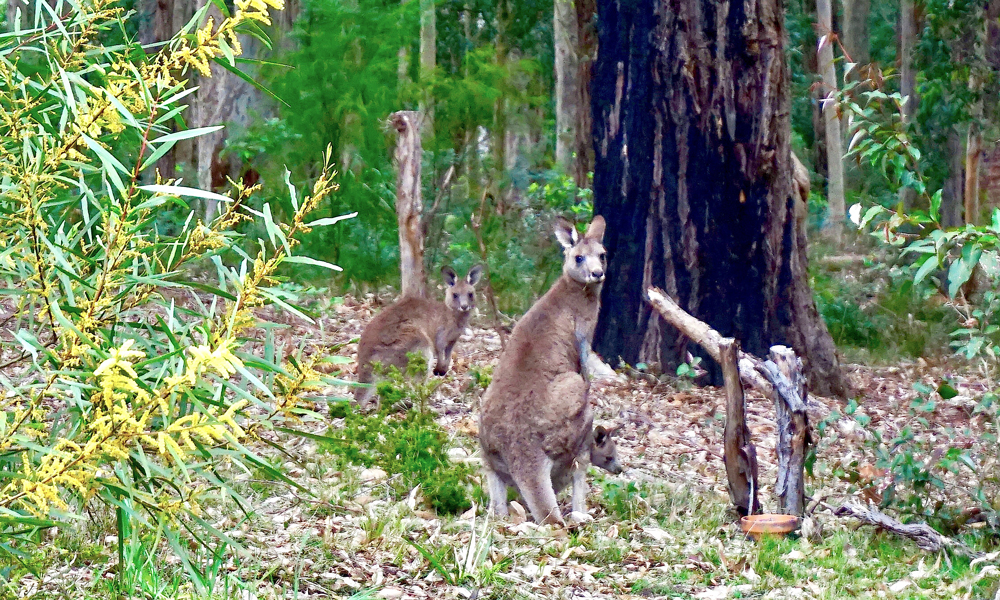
<point>597,276</point>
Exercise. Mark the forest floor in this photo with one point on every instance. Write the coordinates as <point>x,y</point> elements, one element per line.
<point>664,528</point>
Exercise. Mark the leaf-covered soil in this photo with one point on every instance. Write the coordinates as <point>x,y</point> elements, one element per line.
<point>662,529</point>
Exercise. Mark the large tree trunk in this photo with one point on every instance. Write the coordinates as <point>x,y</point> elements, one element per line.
<point>566,40</point>
<point>694,176</point>
<point>834,144</point>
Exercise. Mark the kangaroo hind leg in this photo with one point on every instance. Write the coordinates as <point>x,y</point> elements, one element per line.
<point>534,480</point>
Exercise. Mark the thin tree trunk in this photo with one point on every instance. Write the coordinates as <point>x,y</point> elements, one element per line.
<point>907,41</point>
<point>907,79</point>
<point>973,152</point>
<point>952,191</point>
<point>834,143</point>
<point>694,177</point>
<point>409,205</point>
<point>586,12</point>
<point>428,62</point>
<point>567,66</point>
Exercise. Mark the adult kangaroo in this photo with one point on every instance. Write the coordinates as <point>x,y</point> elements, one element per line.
<point>536,425</point>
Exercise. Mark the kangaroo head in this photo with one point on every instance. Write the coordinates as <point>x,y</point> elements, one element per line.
<point>460,296</point>
<point>584,258</point>
<point>604,452</point>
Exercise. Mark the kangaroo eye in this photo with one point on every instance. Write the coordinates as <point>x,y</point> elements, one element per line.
<point>604,255</point>
<point>470,295</point>
<point>456,296</point>
<point>579,259</point>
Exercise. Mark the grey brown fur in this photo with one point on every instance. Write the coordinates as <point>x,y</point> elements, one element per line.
<point>415,324</point>
<point>535,426</point>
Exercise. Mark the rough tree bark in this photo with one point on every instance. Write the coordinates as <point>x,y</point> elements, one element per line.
<point>566,41</point>
<point>409,205</point>
<point>694,177</point>
<point>834,143</point>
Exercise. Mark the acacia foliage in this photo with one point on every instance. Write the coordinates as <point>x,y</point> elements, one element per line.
<point>121,386</point>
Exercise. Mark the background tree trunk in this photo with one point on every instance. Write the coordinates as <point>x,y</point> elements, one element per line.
<point>428,62</point>
<point>566,40</point>
<point>694,176</point>
<point>857,36</point>
<point>952,191</point>
<point>973,152</point>
<point>834,143</point>
<point>907,78</point>
<point>586,13</point>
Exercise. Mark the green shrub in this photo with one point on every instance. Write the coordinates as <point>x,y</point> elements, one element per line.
<point>410,444</point>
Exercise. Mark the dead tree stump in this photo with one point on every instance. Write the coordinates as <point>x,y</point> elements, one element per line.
<point>409,205</point>
<point>779,378</point>
<point>740,455</point>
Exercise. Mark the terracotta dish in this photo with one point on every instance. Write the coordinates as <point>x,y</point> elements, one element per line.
<point>772,524</point>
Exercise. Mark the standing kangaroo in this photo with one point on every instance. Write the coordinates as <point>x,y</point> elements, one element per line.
<point>416,324</point>
<point>535,426</point>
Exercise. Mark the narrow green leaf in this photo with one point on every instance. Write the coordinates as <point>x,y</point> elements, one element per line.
<point>179,190</point>
<point>187,134</point>
<point>305,260</point>
<point>236,71</point>
<point>331,220</point>
<point>111,164</point>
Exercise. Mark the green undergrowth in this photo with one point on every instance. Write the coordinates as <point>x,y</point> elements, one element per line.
<point>874,312</point>
<point>407,444</point>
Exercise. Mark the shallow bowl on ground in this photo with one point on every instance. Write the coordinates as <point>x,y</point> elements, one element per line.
<point>771,524</point>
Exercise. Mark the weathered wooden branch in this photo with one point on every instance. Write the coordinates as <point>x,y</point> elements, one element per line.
<point>740,455</point>
<point>780,378</point>
<point>409,205</point>
<point>784,370</point>
<point>708,338</point>
<point>923,534</point>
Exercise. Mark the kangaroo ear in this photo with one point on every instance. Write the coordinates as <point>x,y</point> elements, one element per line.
<point>475,274</point>
<point>600,433</point>
<point>595,230</point>
<point>566,234</point>
<point>449,276</point>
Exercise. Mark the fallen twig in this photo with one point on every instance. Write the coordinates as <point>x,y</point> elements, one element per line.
<point>923,534</point>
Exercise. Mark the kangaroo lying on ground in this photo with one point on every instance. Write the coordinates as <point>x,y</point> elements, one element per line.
<point>535,426</point>
<point>417,325</point>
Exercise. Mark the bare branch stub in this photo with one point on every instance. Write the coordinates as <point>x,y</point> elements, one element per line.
<point>409,204</point>
<point>740,455</point>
